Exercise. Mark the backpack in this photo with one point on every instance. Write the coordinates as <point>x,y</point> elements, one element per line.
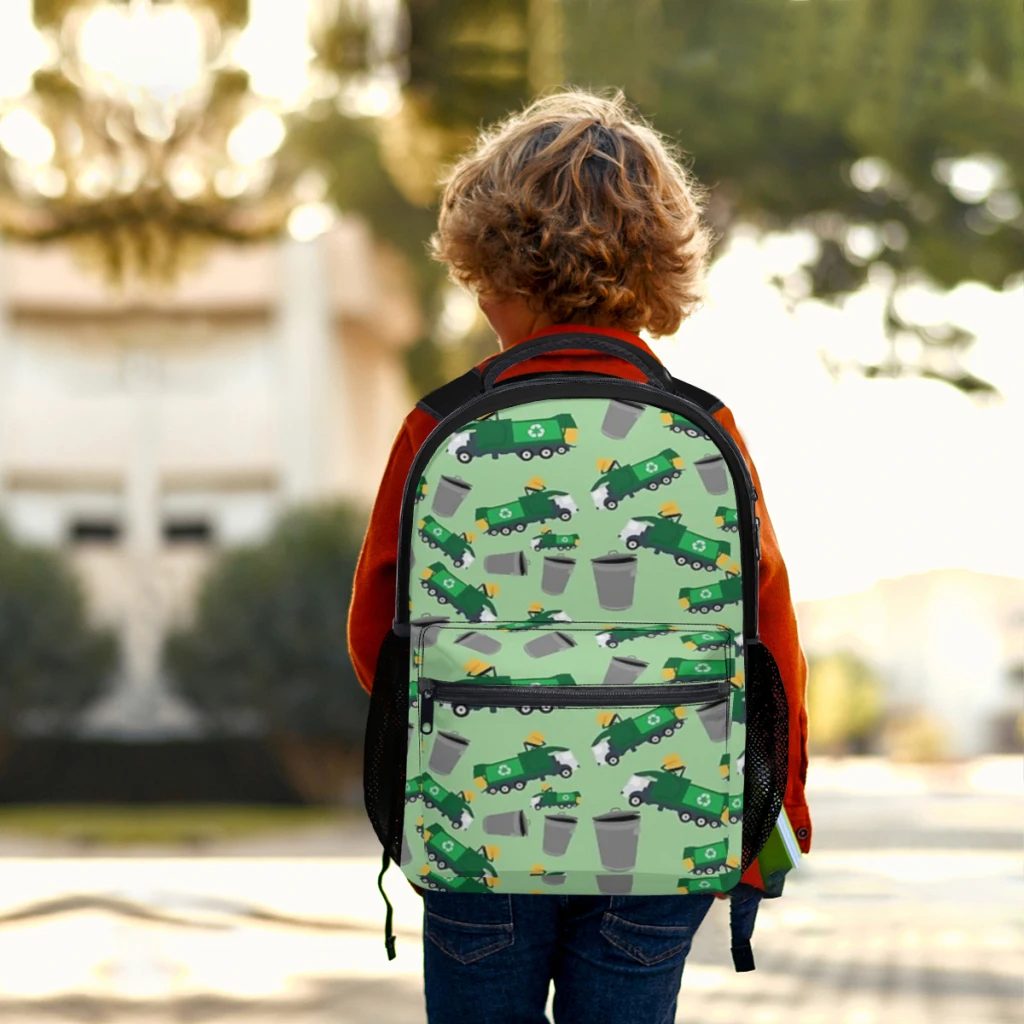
<point>573,697</point>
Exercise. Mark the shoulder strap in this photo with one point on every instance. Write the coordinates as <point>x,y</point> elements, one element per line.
<point>443,401</point>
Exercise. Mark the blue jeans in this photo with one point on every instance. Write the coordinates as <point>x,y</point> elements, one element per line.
<point>489,959</point>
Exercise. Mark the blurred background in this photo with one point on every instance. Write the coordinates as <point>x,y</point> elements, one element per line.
<point>215,310</point>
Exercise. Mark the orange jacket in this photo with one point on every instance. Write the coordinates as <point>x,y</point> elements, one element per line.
<point>373,595</point>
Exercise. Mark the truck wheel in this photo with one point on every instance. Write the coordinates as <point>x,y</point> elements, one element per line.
<point>635,800</point>
<point>613,643</point>
<point>457,563</point>
<point>566,772</point>
<point>652,485</point>
<point>685,816</point>
<point>460,710</point>
<point>432,856</point>
<point>676,428</point>
<point>546,711</point>
<point>562,449</point>
<point>611,759</point>
<point>715,823</point>
<point>425,584</point>
<point>525,454</point>
<point>443,865</point>
<point>505,788</point>
<point>700,820</point>
<point>525,711</point>
<point>633,544</point>
<point>463,455</point>
<point>506,530</point>
<point>457,823</point>
<point>690,432</point>
<point>734,819</point>
<point>717,607</point>
<point>669,730</point>
<point>519,527</point>
<point>704,609</point>
<point>655,737</point>
<point>520,784</point>
<point>611,504</point>
<point>680,559</point>
<point>441,599</point>
<point>709,568</point>
<point>546,453</point>
<point>667,478</point>
<point>677,473</point>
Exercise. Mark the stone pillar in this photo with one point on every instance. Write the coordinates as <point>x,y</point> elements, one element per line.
<point>304,332</point>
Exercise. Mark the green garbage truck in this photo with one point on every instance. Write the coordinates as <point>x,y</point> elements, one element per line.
<point>617,481</point>
<point>665,534</point>
<point>457,546</point>
<point>712,596</point>
<point>708,670</point>
<point>461,883</point>
<point>681,425</point>
<point>621,735</point>
<point>490,435</point>
<point>473,602</point>
<point>537,615</point>
<point>710,859</point>
<point>447,853</point>
<point>727,519</point>
<point>535,763</point>
<point>534,506</point>
<point>615,635</point>
<point>670,790</point>
<point>718,640</point>
<point>421,489</point>
<point>481,672</point>
<point>453,806</point>
<point>548,797</point>
<point>718,883</point>
<point>412,789</point>
<point>548,540</point>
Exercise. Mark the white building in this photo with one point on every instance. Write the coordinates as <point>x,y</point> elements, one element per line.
<point>143,431</point>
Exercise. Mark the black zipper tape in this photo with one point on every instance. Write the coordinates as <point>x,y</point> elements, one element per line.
<point>560,386</point>
<point>484,696</point>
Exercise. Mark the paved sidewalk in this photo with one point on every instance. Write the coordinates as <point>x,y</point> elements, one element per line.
<point>909,912</point>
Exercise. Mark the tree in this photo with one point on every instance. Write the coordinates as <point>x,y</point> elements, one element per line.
<point>53,664</point>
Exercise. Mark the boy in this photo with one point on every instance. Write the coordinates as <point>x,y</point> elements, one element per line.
<point>571,215</point>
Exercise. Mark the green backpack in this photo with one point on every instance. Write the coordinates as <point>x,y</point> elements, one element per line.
<point>573,698</point>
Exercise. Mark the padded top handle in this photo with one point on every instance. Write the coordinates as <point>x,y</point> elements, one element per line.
<point>653,370</point>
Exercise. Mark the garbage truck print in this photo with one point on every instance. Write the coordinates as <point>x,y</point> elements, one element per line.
<point>535,763</point>
<point>454,806</point>
<point>461,883</point>
<point>412,789</point>
<point>621,735</point>
<point>481,672</point>
<point>713,596</point>
<point>447,853</point>
<point>709,860</point>
<point>615,635</point>
<point>421,489</point>
<point>718,883</point>
<point>617,481</point>
<point>537,615</point>
<point>665,534</point>
<point>709,670</point>
<point>727,519</point>
<point>548,797</point>
<point>473,602</point>
<point>535,506</point>
<point>492,436</point>
<point>455,545</point>
<point>670,790</point>
<point>702,642</point>
<point>681,425</point>
<point>548,540</point>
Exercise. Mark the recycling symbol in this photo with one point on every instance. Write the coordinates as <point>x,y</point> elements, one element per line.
<point>700,545</point>
<point>704,800</point>
<point>448,583</point>
<point>505,513</point>
<point>703,884</point>
<point>433,790</point>
<point>653,719</point>
<point>448,846</point>
<point>651,467</point>
<point>437,531</point>
<point>535,430</point>
<point>702,666</point>
<point>710,853</point>
<point>705,593</point>
<point>706,636</point>
<point>504,769</point>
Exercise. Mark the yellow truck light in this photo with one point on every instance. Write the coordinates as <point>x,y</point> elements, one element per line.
<point>719,520</point>
<point>725,816</point>
<point>427,573</point>
<point>678,463</point>
<point>737,680</point>
<point>422,523</point>
<point>733,861</point>
<point>571,433</point>
<point>684,602</point>
<point>666,418</point>
<point>481,781</point>
<point>722,560</point>
<point>492,589</point>
<point>492,852</point>
<point>679,712</point>
<point>668,672</point>
<point>470,536</point>
<point>482,523</point>
<point>688,863</point>
<point>491,882</point>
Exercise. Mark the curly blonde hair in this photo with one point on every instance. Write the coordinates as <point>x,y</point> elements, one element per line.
<point>579,206</point>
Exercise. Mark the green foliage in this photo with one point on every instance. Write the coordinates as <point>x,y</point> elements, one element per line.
<point>53,664</point>
<point>269,632</point>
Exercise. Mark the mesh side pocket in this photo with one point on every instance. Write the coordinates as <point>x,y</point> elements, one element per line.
<point>767,757</point>
<point>387,737</point>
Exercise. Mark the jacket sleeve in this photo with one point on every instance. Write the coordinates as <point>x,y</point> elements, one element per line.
<point>778,628</point>
<point>373,588</point>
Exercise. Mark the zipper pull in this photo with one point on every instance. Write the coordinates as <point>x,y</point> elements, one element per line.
<point>426,705</point>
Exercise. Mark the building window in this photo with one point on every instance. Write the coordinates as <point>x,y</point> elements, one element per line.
<point>94,530</point>
<point>188,531</point>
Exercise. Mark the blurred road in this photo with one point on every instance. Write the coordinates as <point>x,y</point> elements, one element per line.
<point>909,911</point>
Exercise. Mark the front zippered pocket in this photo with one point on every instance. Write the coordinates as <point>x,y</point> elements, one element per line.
<point>464,697</point>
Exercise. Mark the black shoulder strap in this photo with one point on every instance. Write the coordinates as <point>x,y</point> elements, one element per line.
<point>443,401</point>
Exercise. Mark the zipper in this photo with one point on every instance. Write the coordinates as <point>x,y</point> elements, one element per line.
<point>470,695</point>
<point>562,386</point>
